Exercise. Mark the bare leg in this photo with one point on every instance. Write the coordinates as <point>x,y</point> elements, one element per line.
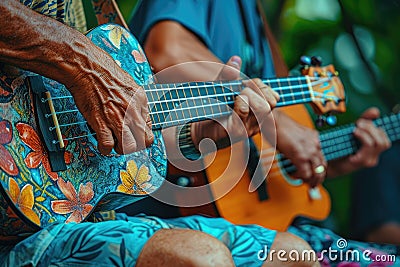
<point>289,243</point>
<point>186,248</point>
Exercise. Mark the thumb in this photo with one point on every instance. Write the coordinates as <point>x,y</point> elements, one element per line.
<point>231,70</point>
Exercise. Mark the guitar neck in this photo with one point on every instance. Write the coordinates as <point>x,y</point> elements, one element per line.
<point>177,104</point>
<point>340,142</point>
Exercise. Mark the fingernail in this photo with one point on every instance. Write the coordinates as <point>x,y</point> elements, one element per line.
<point>236,60</point>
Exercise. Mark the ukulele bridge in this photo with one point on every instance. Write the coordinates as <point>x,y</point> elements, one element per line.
<point>52,140</point>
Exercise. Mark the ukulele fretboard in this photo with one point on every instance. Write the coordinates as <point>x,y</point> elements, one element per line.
<point>176,104</point>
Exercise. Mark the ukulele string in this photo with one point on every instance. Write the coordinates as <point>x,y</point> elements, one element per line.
<point>283,88</point>
<point>339,146</point>
<point>161,124</point>
<point>200,106</point>
<point>166,123</point>
<point>182,109</point>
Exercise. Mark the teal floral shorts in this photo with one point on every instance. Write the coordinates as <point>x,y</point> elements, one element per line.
<point>119,242</point>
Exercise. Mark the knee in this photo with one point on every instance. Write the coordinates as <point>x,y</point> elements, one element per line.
<point>181,247</point>
<point>297,252</point>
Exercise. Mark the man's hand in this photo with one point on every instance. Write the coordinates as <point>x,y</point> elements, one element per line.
<point>108,97</point>
<point>115,107</point>
<point>251,109</point>
<point>373,142</point>
<point>301,145</point>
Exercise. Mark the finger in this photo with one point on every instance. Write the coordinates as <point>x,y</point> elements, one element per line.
<point>241,106</point>
<point>138,129</point>
<point>365,132</point>
<point>148,133</point>
<point>304,172</point>
<point>231,70</point>
<point>381,140</point>
<point>303,167</point>
<point>105,140</point>
<point>319,172</point>
<point>373,139</point>
<point>263,90</point>
<point>271,96</point>
<point>365,155</point>
<point>127,144</point>
<point>149,136</point>
<point>371,113</point>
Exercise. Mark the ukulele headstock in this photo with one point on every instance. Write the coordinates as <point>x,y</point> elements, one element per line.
<point>327,92</point>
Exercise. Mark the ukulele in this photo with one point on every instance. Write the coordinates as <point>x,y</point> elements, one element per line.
<point>50,169</point>
<point>287,198</point>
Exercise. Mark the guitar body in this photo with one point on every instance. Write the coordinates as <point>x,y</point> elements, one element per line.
<point>287,198</point>
<point>32,194</point>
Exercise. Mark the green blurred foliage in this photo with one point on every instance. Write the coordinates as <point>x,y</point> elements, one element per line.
<point>328,28</point>
<point>374,25</point>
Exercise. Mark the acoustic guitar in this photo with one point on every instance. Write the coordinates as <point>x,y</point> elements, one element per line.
<point>50,169</point>
<point>287,198</point>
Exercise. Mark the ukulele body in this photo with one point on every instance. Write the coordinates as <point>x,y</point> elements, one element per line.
<point>287,198</point>
<point>33,195</point>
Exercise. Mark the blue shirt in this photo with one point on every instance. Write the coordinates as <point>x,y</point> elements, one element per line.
<point>227,28</point>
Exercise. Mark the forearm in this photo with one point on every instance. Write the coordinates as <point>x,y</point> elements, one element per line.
<point>169,44</point>
<point>43,45</point>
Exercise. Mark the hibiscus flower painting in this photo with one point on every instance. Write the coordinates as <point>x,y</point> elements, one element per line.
<point>76,202</point>
<point>38,155</point>
<point>7,163</point>
<point>135,180</point>
<point>23,199</point>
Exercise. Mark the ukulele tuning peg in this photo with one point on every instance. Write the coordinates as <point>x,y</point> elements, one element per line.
<point>305,61</point>
<point>320,121</point>
<point>316,61</point>
<point>331,120</point>
<point>183,181</point>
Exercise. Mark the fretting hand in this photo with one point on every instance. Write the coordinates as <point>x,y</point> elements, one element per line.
<point>251,110</point>
<point>373,142</point>
<point>301,145</point>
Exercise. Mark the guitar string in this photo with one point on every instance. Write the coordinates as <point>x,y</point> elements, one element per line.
<point>287,164</point>
<point>277,89</point>
<point>392,121</point>
<point>338,150</point>
<point>210,86</point>
<point>277,162</point>
<point>222,94</point>
<point>202,105</point>
<point>332,136</point>
<point>180,98</point>
<point>170,122</point>
<point>175,109</point>
<point>157,87</point>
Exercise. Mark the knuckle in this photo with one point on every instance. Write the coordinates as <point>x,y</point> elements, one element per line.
<point>372,162</point>
<point>257,81</point>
